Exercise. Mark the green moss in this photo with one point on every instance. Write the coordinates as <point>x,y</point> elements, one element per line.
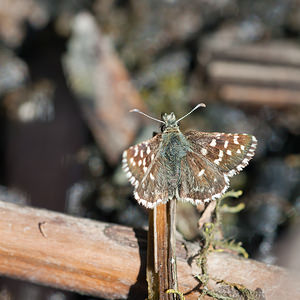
<point>171,291</point>
<point>211,243</point>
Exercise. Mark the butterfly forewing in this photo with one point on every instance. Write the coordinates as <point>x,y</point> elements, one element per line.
<point>230,153</point>
<point>142,166</point>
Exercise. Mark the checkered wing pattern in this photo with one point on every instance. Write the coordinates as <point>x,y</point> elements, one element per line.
<point>201,180</point>
<point>214,158</point>
<point>143,167</point>
<point>203,174</point>
<point>230,153</point>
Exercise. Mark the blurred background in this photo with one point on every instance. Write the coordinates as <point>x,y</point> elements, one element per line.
<point>70,71</point>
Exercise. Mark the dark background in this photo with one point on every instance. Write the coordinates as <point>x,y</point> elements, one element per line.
<point>70,71</point>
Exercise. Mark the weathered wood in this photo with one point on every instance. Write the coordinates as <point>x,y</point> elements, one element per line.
<point>172,259</point>
<point>161,252</point>
<point>264,74</point>
<point>252,73</point>
<point>107,260</point>
<point>161,249</point>
<point>276,52</point>
<point>276,97</point>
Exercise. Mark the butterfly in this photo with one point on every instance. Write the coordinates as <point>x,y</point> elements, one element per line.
<point>192,166</point>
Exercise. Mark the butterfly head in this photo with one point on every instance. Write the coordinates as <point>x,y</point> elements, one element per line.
<point>170,121</point>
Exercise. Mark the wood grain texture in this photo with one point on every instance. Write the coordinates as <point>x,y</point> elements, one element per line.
<point>258,73</point>
<point>108,260</point>
<point>161,252</point>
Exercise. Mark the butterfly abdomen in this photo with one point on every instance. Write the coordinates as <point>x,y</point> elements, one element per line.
<point>174,149</point>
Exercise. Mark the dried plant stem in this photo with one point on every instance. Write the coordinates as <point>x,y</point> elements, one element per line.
<point>161,255</point>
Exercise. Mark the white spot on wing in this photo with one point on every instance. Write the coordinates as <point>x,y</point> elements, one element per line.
<point>203,151</point>
<point>239,167</point>
<point>231,173</point>
<point>201,172</point>
<point>217,161</point>
<point>235,139</point>
<point>245,160</point>
<point>213,143</point>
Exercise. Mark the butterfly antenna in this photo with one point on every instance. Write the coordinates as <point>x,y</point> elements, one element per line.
<point>196,107</point>
<point>138,111</point>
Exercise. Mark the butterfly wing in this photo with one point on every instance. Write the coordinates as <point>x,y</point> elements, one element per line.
<point>143,167</point>
<point>213,157</point>
<point>230,153</point>
<point>201,181</point>
<point>204,170</point>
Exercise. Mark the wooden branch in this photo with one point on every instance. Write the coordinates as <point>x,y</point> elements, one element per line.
<point>264,74</point>
<point>108,260</point>
<point>256,84</point>
<point>276,97</point>
<point>252,73</point>
<point>271,52</point>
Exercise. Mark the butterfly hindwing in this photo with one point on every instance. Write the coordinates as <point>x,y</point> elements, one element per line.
<point>153,189</point>
<point>201,181</point>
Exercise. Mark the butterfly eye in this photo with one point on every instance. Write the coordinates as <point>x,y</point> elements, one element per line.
<point>162,127</point>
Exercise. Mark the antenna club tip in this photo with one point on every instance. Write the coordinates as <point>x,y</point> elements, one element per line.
<point>201,105</point>
<point>134,110</point>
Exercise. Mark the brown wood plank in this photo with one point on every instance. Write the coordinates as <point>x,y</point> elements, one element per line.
<point>104,259</point>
